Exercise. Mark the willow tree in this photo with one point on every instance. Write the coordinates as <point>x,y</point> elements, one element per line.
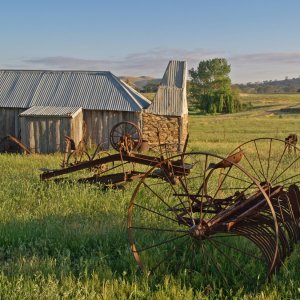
<point>210,87</point>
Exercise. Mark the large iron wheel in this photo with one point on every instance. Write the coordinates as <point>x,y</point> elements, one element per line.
<point>271,160</point>
<point>125,136</point>
<point>223,228</point>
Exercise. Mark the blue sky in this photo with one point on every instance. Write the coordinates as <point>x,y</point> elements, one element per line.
<point>260,38</point>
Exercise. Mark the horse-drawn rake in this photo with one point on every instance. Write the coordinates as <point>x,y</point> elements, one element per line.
<point>233,217</point>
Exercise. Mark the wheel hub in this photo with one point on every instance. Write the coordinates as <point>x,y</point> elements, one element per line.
<point>200,230</point>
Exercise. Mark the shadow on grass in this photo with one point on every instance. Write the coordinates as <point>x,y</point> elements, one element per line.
<point>82,245</point>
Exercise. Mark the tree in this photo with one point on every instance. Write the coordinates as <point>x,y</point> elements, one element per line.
<point>210,87</point>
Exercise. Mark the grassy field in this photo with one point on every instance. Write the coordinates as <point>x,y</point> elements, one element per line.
<point>69,241</point>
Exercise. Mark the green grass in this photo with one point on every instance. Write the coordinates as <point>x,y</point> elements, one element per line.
<point>69,241</point>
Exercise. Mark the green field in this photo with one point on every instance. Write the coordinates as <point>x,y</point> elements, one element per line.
<point>69,241</point>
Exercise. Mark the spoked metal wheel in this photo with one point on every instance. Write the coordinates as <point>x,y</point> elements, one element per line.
<point>276,163</point>
<point>102,168</point>
<point>125,136</point>
<point>77,157</point>
<point>186,218</point>
<point>271,160</point>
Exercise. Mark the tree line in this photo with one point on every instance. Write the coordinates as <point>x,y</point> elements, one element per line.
<point>287,85</point>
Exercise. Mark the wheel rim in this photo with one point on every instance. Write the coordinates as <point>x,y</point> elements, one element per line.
<point>272,160</point>
<point>126,130</point>
<point>164,234</point>
<point>77,157</point>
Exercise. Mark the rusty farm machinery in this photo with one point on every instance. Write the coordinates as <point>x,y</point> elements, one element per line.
<point>203,213</point>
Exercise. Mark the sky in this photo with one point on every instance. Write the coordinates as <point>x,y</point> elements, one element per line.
<point>259,38</point>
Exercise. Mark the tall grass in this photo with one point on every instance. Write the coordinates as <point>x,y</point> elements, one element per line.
<point>69,241</point>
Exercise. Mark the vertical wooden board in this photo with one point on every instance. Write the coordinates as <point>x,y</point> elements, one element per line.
<point>94,121</point>
<point>66,125</point>
<point>76,128</point>
<point>6,121</point>
<point>54,135</point>
<point>73,129</point>
<point>106,125</point>
<point>63,132</point>
<point>94,127</point>
<point>100,129</point>
<point>51,146</point>
<point>16,121</point>
<point>22,119</point>
<point>80,126</point>
<point>43,140</point>
<point>2,131</point>
<point>58,142</point>
<point>24,138</point>
<point>47,135</point>
<point>31,135</point>
<point>37,136</point>
<point>88,123</point>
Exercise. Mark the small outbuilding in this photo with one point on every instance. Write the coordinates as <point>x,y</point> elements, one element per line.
<point>43,128</point>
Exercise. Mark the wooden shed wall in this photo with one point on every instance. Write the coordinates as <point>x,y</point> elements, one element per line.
<point>100,123</point>
<point>9,121</point>
<point>46,134</point>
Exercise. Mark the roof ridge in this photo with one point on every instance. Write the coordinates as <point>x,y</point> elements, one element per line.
<point>119,82</point>
<point>54,71</point>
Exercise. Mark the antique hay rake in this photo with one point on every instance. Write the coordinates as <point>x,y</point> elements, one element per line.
<point>235,217</point>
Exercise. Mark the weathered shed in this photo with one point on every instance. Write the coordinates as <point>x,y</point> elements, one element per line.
<point>42,98</point>
<point>104,98</point>
<point>43,129</point>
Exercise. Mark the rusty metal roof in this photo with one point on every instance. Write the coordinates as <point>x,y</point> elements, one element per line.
<point>170,99</point>
<point>86,89</point>
<point>51,111</point>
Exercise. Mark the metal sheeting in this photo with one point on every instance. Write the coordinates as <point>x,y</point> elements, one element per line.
<point>168,102</point>
<point>51,111</point>
<point>89,90</point>
<point>17,88</point>
<point>170,99</point>
<point>175,74</point>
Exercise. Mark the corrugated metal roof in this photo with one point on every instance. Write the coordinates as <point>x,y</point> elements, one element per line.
<point>51,111</point>
<point>89,90</point>
<point>17,88</point>
<point>170,99</point>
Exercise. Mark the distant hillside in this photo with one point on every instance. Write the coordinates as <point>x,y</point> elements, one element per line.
<point>142,83</point>
<point>147,84</point>
<point>272,86</point>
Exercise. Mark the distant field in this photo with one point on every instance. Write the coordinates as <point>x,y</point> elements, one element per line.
<point>219,133</point>
<point>69,241</point>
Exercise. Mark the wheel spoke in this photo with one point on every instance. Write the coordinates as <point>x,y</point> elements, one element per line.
<point>155,212</point>
<point>233,261</point>
<point>158,229</point>
<point>236,249</point>
<point>287,168</point>
<point>262,169</point>
<point>161,243</point>
<point>282,154</point>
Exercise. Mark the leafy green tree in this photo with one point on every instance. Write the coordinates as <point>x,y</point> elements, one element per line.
<point>210,87</point>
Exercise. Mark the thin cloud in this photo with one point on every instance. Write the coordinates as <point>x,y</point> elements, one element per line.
<point>245,67</point>
<point>275,57</point>
<point>151,62</point>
